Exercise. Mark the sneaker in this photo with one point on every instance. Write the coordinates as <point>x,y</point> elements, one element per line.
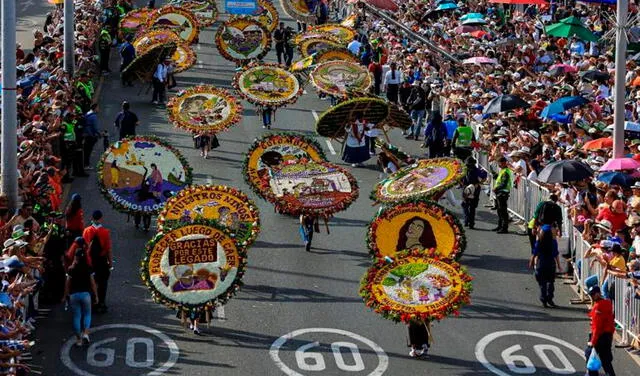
<point>196,331</point>
<point>354,165</point>
<point>264,127</point>
<point>190,326</point>
<point>154,102</point>
<point>420,352</point>
<point>85,339</point>
<point>413,354</point>
<point>88,168</point>
<point>268,126</point>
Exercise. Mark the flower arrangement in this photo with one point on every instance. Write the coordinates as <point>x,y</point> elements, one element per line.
<point>267,84</point>
<point>159,244</point>
<point>298,10</point>
<point>267,14</point>
<point>384,230</point>
<point>343,33</point>
<point>162,17</point>
<point>208,116</point>
<point>424,179</point>
<point>322,198</point>
<point>206,11</point>
<point>146,39</point>
<point>403,289</point>
<point>205,201</point>
<point>336,77</point>
<point>119,203</point>
<point>297,145</point>
<point>310,45</point>
<point>320,36</point>
<point>331,54</point>
<point>252,46</point>
<point>184,57</point>
<point>332,122</point>
<point>133,20</point>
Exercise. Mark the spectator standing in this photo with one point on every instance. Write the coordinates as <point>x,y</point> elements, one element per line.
<point>74,218</point>
<point>91,134</point>
<point>79,286</point>
<point>126,121</point>
<point>160,82</point>
<point>355,45</point>
<point>435,136</point>
<point>502,189</point>
<point>376,70</point>
<point>418,106</point>
<point>544,260</point>
<point>392,80</point>
<point>471,192</point>
<point>602,329</point>
<point>99,240</point>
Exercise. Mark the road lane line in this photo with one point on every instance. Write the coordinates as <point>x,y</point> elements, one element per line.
<point>200,64</point>
<point>331,149</point>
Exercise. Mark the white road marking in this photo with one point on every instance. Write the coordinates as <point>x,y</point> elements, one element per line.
<point>198,46</point>
<point>539,349</point>
<point>329,145</point>
<point>200,64</point>
<point>174,351</point>
<point>317,362</point>
<point>209,180</point>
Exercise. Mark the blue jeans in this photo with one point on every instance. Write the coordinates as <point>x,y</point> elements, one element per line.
<point>266,118</point>
<point>81,307</point>
<point>418,118</point>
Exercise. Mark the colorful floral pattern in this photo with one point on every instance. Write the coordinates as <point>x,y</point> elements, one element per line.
<point>227,206</point>
<point>423,179</point>
<point>416,224</point>
<point>193,266</point>
<point>343,33</point>
<point>243,39</point>
<point>339,77</point>
<point>416,285</point>
<point>181,20</point>
<point>204,109</point>
<point>130,182</point>
<point>267,85</point>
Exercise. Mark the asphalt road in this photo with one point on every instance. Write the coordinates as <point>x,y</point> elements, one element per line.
<point>314,295</point>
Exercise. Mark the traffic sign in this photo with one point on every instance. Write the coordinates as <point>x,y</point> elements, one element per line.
<point>240,6</point>
<point>121,348</point>
<point>327,350</point>
<point>519,354</point>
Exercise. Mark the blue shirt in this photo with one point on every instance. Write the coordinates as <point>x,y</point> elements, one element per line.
<point>451,126</point>
<point>91,124</point>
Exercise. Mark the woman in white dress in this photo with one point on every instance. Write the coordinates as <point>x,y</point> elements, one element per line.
<point>355,148</point>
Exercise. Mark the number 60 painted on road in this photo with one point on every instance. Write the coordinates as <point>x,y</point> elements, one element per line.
<point>95,351</point>
<point>313,361</point>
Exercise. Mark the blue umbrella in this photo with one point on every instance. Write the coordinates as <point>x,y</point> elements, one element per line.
<point>611,2</point>
<point>444,1</point>
<point>447,6</point>
<point>615,178</point>
<point>471,15</point>
<point>562,105</point>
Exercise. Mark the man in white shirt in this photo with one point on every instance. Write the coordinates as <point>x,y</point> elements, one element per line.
<point>160,82</point>
<point>354,46</point>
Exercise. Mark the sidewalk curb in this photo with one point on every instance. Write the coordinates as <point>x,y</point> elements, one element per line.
<point>66,188</point>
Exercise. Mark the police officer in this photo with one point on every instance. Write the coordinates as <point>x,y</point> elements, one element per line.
<point>502,189</point>
<point>462,138</point>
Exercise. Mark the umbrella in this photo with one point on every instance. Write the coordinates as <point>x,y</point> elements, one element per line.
<point>615,178</point>
<point>610,2</point>
<point>600,143</point>
<point>468,29</point>
<point>595,75</point>
<point>565,171</point>
<point>618,164</point>
<point>562,105</point>
<point>469,16</point>
<point>526,2</point>
<point>479,34</point>
<point>480,60</point>
<point>447,6</point>
<point>569,27</point>
<point>474,21</point>
<point>559,69</point>
<point>631,126</point>
<point>504,103</point>
<point>380,4</point>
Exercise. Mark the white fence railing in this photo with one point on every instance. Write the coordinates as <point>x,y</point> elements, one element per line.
<point>523,200</point>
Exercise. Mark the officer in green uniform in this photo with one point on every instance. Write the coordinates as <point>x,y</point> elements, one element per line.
<point>104,47</point>
<point>502,189</point>
<point>462,138</point>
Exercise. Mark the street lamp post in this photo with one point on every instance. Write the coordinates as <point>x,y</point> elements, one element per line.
<point>69,29</point>
<point>9,158</point>
<point>620,84</point>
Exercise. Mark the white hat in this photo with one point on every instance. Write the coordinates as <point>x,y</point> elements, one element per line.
<point>562,134</point>
<point>605,225</point>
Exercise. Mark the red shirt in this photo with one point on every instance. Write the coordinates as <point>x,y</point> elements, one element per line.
<point>602,319</point>
<point>104,236</point>
<point>616,219</point>
<point>75,222</point>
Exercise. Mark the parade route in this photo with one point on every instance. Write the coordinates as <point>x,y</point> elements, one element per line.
<point>299,313</point>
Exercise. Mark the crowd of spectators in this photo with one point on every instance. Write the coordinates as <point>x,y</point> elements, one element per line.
<point>514,55</point>
<point>51,107</point>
